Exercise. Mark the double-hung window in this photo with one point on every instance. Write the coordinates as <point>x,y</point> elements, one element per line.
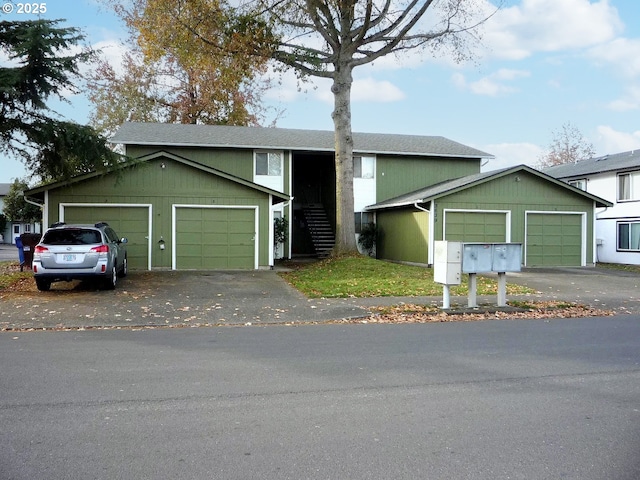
<point>628,186</point>
<point>269,164</point>
<point>363,167</point>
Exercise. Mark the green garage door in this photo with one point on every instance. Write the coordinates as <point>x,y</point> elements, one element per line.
<point>554,240</point>
<point>486,227</point>
<point>215,238</point>
<point>129,222</point>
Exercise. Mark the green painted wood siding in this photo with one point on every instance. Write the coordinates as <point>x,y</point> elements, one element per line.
<point>399,175</point>
<point>162,187</point>
<point>235,161</point>
<point>403,236</point>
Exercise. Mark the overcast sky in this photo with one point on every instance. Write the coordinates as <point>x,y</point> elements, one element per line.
<point>541,64</point>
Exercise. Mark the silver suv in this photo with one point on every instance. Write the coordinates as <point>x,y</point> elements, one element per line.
<point>72,252</point>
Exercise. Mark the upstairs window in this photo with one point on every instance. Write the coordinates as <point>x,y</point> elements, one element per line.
<point>629,186</point>
<point>624,187</point>
<point>581,184</point>
<point>363,167</point>
<point>269,164</point>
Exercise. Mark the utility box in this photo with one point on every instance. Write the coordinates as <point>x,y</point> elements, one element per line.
<point>447,263</point>
<point>491,257</point>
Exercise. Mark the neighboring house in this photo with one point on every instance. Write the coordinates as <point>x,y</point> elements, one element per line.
<point>207,196</point>
<point>17,228</point>
<point>552,220</point>
<point>616,178</point>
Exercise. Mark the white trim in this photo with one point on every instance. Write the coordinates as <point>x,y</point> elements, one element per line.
<point>45,210</point>
<point>271,232</point>
<point>256,223</point>
<point>290,205</point>
<point>583,240</point>
<point>148,206</point>
<point>473,210</point>
<point>432,229</point>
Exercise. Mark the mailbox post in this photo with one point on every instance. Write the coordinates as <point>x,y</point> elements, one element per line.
<point>447,267</point>
<point>490,257</point>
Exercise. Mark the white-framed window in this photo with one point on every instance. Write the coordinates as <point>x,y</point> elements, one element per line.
<point>268,164</point>
<point>363,167</point>
<point>628,186</point>
<point>362,220</point>
<point>629,236</point>
<point>27,228</point>
<point>580,183</point>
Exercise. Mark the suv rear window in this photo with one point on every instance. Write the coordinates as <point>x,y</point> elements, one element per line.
<point>69,236</point>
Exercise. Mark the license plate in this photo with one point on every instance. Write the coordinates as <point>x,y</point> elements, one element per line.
<point>68,258</point>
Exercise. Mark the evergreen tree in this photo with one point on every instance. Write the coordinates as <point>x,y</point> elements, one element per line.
<point>40,67</point>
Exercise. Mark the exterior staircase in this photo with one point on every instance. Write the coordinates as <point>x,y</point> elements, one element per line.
<point>319,229</point>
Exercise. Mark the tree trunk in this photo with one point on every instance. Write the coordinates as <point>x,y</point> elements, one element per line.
<point>345,223</point>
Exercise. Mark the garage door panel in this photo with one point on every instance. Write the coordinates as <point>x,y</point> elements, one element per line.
<point>131,222</point>
<point>554,239</point>
<point>215,238</point>
<point>486,227</point>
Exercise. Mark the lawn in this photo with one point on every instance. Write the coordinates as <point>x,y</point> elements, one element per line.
<point>11,275</point>
<point>360,276</point>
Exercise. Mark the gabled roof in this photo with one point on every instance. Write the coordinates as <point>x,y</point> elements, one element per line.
<point>160,154</point>
<point>615,162</point>
<point>179,135</point>
<point>449,187</point>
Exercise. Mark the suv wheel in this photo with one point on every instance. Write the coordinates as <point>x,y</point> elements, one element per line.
<point>124,270</point>
<point>110,283</point>
<point>43,285</point>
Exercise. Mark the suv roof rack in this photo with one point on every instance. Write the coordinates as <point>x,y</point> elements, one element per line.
<point>57,224</point>
<point>101,224</point>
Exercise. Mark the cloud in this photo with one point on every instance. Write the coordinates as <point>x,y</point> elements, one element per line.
<point>491,85</point>
<point>611,141</point>
<point>518,32</point>
<point>622,54</point>
<point>288,89</point>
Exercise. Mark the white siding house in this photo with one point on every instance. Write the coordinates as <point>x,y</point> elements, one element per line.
<point>615,178</point>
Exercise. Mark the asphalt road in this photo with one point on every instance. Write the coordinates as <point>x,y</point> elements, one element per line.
<point>532,399</point>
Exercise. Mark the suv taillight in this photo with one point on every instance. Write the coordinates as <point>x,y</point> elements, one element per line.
<point>101,249</point>
<point>40,249</point>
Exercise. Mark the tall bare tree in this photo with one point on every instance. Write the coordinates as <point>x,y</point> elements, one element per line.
<point>568,145</point>
<point>330,38</point>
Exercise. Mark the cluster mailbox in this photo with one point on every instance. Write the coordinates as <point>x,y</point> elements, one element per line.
<point>452,259</point>
<point>491,257</point>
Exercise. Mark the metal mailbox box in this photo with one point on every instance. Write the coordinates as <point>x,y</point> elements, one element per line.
<point>507,257</point>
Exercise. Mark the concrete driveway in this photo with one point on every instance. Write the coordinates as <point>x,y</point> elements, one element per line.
<point>171,298</point>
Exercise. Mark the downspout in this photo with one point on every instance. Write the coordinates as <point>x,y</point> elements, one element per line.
<point>41,206</point>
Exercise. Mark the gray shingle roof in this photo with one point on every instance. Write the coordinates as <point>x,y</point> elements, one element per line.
<point>167,134</point>
<point>450,186</point>
<point>615,162</point>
